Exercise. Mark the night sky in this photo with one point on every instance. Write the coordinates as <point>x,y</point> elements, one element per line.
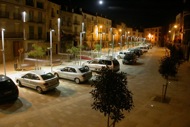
<point>135,13</point>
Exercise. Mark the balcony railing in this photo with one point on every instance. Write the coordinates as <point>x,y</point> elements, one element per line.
<point>35,20</point>
<point>32,36</point>
<point>13,35</point>
<point>4,14</point>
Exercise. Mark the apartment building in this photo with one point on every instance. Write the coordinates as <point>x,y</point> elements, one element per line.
<point>53,23</point>
<point>153,34</point>
<point>27,22</point>
<point>31,21</point>
<point>97,30</point>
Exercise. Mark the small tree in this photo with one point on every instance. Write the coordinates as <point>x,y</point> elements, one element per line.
<point>111,95</point>
<point>74,51</point>
<point>20,51</point>
<point>97,48</point>
<point>37,52</point>
<point>168,67</point>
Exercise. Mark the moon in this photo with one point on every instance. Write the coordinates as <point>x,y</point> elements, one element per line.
<point>100,2</point>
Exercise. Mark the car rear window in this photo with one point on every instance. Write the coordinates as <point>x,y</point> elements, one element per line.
<point>7,84</point>
<point>84,69</point>
<point>47,76</point>
<point>115,62</point>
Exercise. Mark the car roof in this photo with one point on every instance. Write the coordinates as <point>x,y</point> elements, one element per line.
<point>39,72</point>
<point>3,78</point>
<point>73,66</point>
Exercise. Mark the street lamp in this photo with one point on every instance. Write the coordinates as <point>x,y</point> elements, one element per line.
<point>81,33</point>
<point>113,44</point>
<point>101,40</point>
<point>3,49</point>
<point>51,30</point>
<point>120,30</point>
<point>24,20</point>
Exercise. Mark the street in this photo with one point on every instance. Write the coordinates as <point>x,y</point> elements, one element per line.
<point>69,105</point>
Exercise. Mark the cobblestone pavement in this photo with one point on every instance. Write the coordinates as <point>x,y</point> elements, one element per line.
<point>69,104</point>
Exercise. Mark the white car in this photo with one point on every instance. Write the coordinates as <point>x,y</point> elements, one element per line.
<point>39,80</point>
<point>97,64</point>
<point>76,73</point>
<point>121,54</point>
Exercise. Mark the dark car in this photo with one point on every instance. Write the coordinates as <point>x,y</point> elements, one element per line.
<point>137,51</point>
<point>8,89</point>
<point>129,58</point>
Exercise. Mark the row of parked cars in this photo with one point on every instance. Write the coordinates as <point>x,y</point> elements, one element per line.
<point>42,81</point>
<point>130,55</point>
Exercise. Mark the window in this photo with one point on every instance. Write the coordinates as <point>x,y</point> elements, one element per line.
<point>30,2</point>
<point>40,5</point>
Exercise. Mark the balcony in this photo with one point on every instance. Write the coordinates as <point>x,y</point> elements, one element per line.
<point>4,14</point>
<point>13,35</point>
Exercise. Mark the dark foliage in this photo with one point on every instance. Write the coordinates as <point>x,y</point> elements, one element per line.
<point>111,95</point>
<point>176,53</point>
<point>168,67</point>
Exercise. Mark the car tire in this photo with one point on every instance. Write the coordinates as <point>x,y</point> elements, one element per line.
<point>56,74</point>
<point>77,80</point>
<point>39,89</point>
<point>19,84</point>
<point>119,57</point>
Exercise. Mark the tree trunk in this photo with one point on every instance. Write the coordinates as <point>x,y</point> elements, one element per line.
<point>108,122</point>
<point>165,89</point>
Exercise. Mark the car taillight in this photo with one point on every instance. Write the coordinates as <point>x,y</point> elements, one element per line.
<point>46,84</point>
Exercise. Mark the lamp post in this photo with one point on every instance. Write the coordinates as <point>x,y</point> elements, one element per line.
<point>51,30</point>
<point>82,32</point>
<point>3,49</point>
<point>100,40</point>
<point>24,20</point>
<point>113,44</point>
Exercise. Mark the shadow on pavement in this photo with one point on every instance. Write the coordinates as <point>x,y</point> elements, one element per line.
<point>19,105</point>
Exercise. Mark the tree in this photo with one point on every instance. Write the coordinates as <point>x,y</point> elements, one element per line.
<point>97,48</point>
<point>111,95</point>
<point>74,51</point>
<point>20,51</point>
<point>168,67</point>
<point>37,52</point>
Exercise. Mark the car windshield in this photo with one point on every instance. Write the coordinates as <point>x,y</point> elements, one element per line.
<point>47,76</point>
<point>84,69</point>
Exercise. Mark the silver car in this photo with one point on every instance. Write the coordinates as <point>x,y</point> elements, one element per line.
<point>98,63</point>
<point>76,73</point>
<point>39,80</point>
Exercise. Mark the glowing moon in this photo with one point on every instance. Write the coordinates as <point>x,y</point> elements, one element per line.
<point>100,2</point>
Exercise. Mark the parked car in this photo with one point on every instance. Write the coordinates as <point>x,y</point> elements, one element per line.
<point>121,54</point>
<point>8,89</point>
<point>143,48</point>
<point>76,73</point>
<point>97,64</point>
<point>137,51</point>
<point>39,80</point>
<point>129,58</point>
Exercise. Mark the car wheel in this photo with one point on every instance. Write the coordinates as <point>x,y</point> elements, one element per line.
<point>77,80</point>
<point>20,84</point>
<point>39,89</point>
<point>86,67</point>
<point>119,57</point>
<point>56,74</point>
